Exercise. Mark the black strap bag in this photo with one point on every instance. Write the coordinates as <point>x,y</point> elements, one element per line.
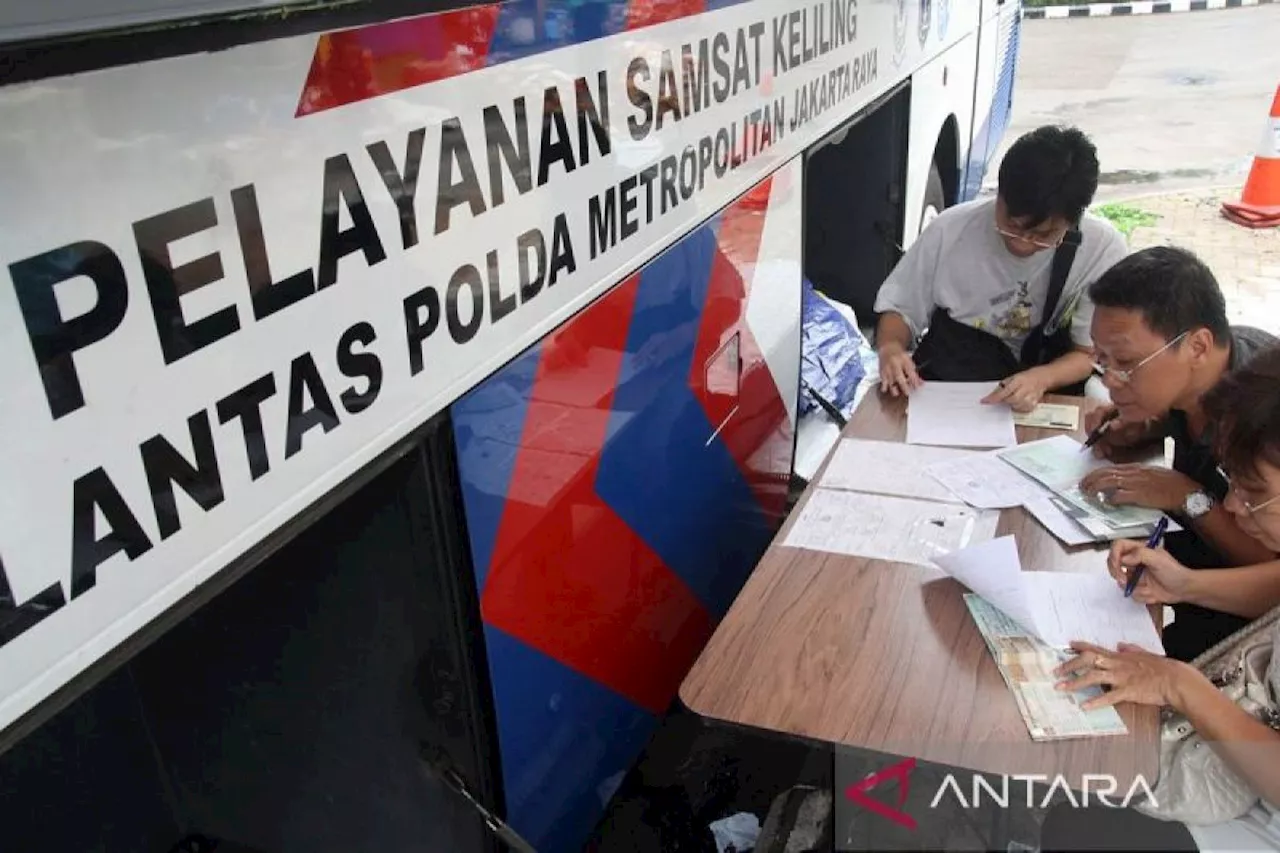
<point>951,351</point>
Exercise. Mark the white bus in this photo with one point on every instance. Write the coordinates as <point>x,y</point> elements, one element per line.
<point>398,391</point>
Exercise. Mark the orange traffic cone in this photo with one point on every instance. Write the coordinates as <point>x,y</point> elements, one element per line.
<point>1259,205</point>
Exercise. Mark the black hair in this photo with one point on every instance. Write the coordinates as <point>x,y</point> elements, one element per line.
<point>1170,287</point>
<point>1051,171</point>
<point>1244,409</point>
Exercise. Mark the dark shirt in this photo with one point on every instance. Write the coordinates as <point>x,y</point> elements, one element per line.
<point>1193,456</point>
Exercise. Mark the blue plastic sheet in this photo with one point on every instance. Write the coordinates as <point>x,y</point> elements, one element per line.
<point>830,363</point>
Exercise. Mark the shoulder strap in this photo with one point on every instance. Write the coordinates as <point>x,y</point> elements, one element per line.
<point>1063,257</point>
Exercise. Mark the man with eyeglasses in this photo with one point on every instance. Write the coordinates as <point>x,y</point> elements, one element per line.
<point>1162,341</point>
<point>995,289</point>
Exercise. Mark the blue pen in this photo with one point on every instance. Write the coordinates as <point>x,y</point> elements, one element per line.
<point>1152,542</point>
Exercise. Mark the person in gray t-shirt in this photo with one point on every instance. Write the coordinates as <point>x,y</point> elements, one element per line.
<point>987,265</point>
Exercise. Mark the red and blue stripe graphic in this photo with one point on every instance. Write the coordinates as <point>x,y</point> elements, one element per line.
<point>615,508</point>
<point>379,59</point>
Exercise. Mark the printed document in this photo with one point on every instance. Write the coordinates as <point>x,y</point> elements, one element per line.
<point>901,530</point>
<point>951,414</point>
<point>1074,526</point>
<point>1050,416</point>
<point>985,480</point>
<point>890,468</point>
<point>1055,607</point>
<point>1061,463</point>
<point>1027,666</point>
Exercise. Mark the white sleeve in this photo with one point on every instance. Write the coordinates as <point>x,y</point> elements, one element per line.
<point>908,290</point>
<point>1111,249</point>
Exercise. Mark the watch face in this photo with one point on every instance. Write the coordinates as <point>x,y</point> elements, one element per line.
<point>1198,503</point>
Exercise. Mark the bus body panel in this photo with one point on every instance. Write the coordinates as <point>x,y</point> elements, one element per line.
<point>621,479</point>
<point>933,102</point>
<point>998,39</point>
<point>241,277</point>
<point>224,300</point>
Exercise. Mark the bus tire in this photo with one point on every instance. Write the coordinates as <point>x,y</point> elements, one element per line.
<point>935,197</point>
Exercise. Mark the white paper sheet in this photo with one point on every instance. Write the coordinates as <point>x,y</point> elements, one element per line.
<point>890,468</point>
<point>992,570</point>
<point>1085,606</point>
<point>901,530</point>
<point>985,480</point>
<point>1058,607</point>
<point>951,414</point>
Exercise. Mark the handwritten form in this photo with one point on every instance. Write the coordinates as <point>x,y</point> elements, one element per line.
<point>900,530</point>
<point>987,481</point>
<point>1056,607</point>
<point>951,414</point>
<point>890,468</point>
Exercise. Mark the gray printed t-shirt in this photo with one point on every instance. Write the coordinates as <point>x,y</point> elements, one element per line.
<point>961,264</point>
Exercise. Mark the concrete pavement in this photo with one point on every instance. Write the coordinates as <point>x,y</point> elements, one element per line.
<point>1246,262</point>
<point>1172,101</point>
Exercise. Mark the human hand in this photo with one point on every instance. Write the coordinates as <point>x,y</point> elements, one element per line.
<point>1118,437</point>
<point>898,374</point>
<point>1021,391</point>
<point>1133,674</point>
<point>1164,580</point>
<point>1139,485</point>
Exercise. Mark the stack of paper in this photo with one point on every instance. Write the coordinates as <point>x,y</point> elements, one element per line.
<point>952,414</point>
<point>1027,666</point>
<point>1060,463</point>
<point>1028,620</point>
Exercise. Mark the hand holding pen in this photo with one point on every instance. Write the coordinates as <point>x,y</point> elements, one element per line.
<point>1153,542</point>
<point>1156,577</point>
<point>1096,434</point>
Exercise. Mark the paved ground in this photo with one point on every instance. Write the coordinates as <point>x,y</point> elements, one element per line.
<point>1172,101</point>
<point>1176,105</point>
<point>1246,262</point>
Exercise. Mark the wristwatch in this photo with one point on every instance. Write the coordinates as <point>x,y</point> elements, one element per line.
<point>1197,504</point>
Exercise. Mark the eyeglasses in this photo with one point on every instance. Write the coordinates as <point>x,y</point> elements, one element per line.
<point>1040,244</point>
<point>1124,376</point>
<point>1253,508</point>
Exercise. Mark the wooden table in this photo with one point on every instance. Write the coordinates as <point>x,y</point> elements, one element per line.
<point>884,656</point>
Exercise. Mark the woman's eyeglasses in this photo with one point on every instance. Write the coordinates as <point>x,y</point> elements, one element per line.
<point>1252,508</point>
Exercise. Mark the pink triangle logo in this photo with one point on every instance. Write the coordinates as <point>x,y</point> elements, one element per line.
<point>857,792</point>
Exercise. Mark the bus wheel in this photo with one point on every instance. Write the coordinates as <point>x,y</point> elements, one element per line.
<point>935,198</point>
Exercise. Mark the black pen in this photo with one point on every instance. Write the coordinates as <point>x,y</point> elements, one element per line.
<point>1101,428</point>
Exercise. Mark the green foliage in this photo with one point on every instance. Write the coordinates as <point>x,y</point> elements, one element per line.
<point>1125,217</point>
